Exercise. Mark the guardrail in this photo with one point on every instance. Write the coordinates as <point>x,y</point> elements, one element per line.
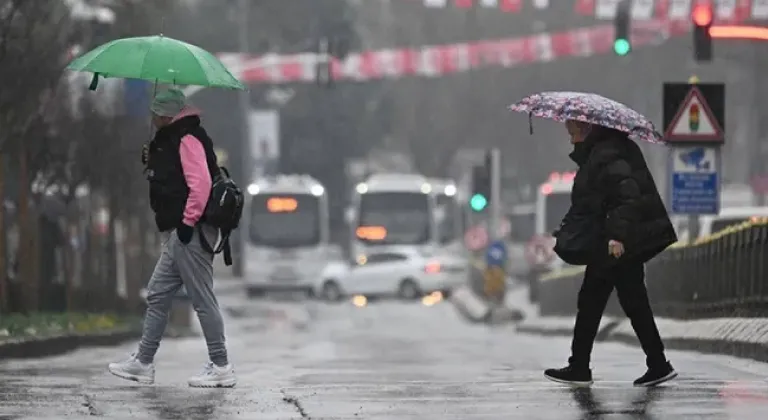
<point>722,275</point>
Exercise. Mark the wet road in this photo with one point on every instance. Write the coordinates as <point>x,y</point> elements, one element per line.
<point>383,361</point>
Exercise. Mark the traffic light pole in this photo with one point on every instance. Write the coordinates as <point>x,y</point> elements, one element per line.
<point>495,270</point>
<point>494,222</point>
<point>244,103</point>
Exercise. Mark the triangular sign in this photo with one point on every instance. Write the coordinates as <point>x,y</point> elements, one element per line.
<point>694,120</point>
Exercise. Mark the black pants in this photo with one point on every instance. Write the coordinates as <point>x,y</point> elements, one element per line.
<point>629,281</point>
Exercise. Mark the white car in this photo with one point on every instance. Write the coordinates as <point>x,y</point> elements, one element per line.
<point>405,273</point>
<point>711,224</point>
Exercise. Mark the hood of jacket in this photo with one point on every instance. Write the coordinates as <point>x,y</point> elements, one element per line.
<point>581,150</point>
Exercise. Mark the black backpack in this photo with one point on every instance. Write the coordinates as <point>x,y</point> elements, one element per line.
<point>223,211</point>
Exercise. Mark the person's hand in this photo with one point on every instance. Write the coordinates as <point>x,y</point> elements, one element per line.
<point>184,232</point>
<point>615,248</point>
<point>145,153</point>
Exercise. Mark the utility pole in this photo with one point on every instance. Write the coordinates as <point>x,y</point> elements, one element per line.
<point>323,74</point>
<point>694,226</point>
<point>494,223</point>
<point>758,170</point>
<point>245,144</point>
<point>3,259</point>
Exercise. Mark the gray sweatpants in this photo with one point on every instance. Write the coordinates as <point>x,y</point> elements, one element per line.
<point>191,266</point>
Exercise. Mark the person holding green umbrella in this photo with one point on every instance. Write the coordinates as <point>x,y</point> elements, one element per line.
<point>180,165</point>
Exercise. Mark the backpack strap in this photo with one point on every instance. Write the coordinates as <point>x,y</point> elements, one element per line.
<point>223,245</point>
<point>227,252</point>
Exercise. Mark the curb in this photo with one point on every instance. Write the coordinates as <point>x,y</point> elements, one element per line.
<point>607,326</point>
<point>225,288</point>
<point>547,332</point>
<point>741,349</point>
<point>56,345</point>
<point>220,288</point>
<point>738,337</point>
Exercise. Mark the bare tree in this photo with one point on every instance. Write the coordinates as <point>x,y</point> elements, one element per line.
<point>50,148</point>
<point>32,55</point>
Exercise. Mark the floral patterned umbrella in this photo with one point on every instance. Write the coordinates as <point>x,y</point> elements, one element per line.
<point>591,108</point>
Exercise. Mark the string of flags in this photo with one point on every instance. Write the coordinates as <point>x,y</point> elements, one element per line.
<point>443,60</point>
<point>725,11</point>
<point>510,6</point>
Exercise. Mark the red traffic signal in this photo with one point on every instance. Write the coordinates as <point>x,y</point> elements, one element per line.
<point>702,41</point>
<point>702,15</point>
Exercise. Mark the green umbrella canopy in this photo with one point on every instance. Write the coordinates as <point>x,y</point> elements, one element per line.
<point>158,59</point>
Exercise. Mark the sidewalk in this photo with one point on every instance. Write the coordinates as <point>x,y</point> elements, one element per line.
<point>741,337</point>
<point>224,283</point>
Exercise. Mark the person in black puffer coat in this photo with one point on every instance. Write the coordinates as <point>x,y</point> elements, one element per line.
<point>615,190</point>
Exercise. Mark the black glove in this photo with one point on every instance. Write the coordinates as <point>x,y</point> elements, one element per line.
<point>184,233</point>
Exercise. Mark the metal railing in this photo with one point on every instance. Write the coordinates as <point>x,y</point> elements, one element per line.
<point>722,275</point>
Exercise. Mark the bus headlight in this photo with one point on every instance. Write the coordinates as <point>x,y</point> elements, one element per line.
<point>426,188</point>
<point>253,189</point>
<point>317,190</point>
<point>361,188</point>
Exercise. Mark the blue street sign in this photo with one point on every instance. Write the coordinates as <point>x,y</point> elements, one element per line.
<point>496,256</point>
<point>694,180</point>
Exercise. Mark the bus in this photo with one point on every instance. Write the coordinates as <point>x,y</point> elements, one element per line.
<point>553,199</point>
<point>288,228</point>
<point>393,210</point>
<point>449,216</point>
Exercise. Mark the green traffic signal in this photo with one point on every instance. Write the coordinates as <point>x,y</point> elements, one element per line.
<point>621,46</point>
<point>478,202</point>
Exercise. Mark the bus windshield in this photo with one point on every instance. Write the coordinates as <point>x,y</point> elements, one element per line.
<point>284,220</point>
<point>449,225</point>
<point>394,218</point>
<point>556,205</point>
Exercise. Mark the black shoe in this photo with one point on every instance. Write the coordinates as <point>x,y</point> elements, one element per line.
<point>656,376</point>
<point>570,375</point>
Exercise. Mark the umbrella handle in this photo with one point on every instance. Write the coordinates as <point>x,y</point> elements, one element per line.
<point>94,82</point>
<point>530,123</point>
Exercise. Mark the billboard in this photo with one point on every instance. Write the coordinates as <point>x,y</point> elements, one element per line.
<point>264,137</point>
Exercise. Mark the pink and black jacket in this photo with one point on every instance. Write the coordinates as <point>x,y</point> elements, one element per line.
<point>179,169</point>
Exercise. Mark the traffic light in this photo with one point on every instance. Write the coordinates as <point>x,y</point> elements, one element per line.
<point>621,23</point>
<point>702,40</point>
<point>481,185</point>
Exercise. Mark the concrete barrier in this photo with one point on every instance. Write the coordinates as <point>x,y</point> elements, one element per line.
<point>470,305</point>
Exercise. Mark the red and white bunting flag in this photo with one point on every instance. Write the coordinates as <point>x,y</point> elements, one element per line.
<point>443,60</point>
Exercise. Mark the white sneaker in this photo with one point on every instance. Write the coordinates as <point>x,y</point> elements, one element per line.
<point>214,376</point>
<point>133,370</point>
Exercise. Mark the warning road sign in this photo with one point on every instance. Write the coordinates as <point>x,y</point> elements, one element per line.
<point>694,120</point>
<point>694,113</point>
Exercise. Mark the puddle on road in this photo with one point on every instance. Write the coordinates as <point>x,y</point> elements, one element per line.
<point>174,403</point>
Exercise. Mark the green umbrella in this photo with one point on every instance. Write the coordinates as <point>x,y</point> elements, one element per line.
<point>158,59</point>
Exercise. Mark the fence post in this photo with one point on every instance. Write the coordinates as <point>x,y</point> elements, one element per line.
<point>761,277</point>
